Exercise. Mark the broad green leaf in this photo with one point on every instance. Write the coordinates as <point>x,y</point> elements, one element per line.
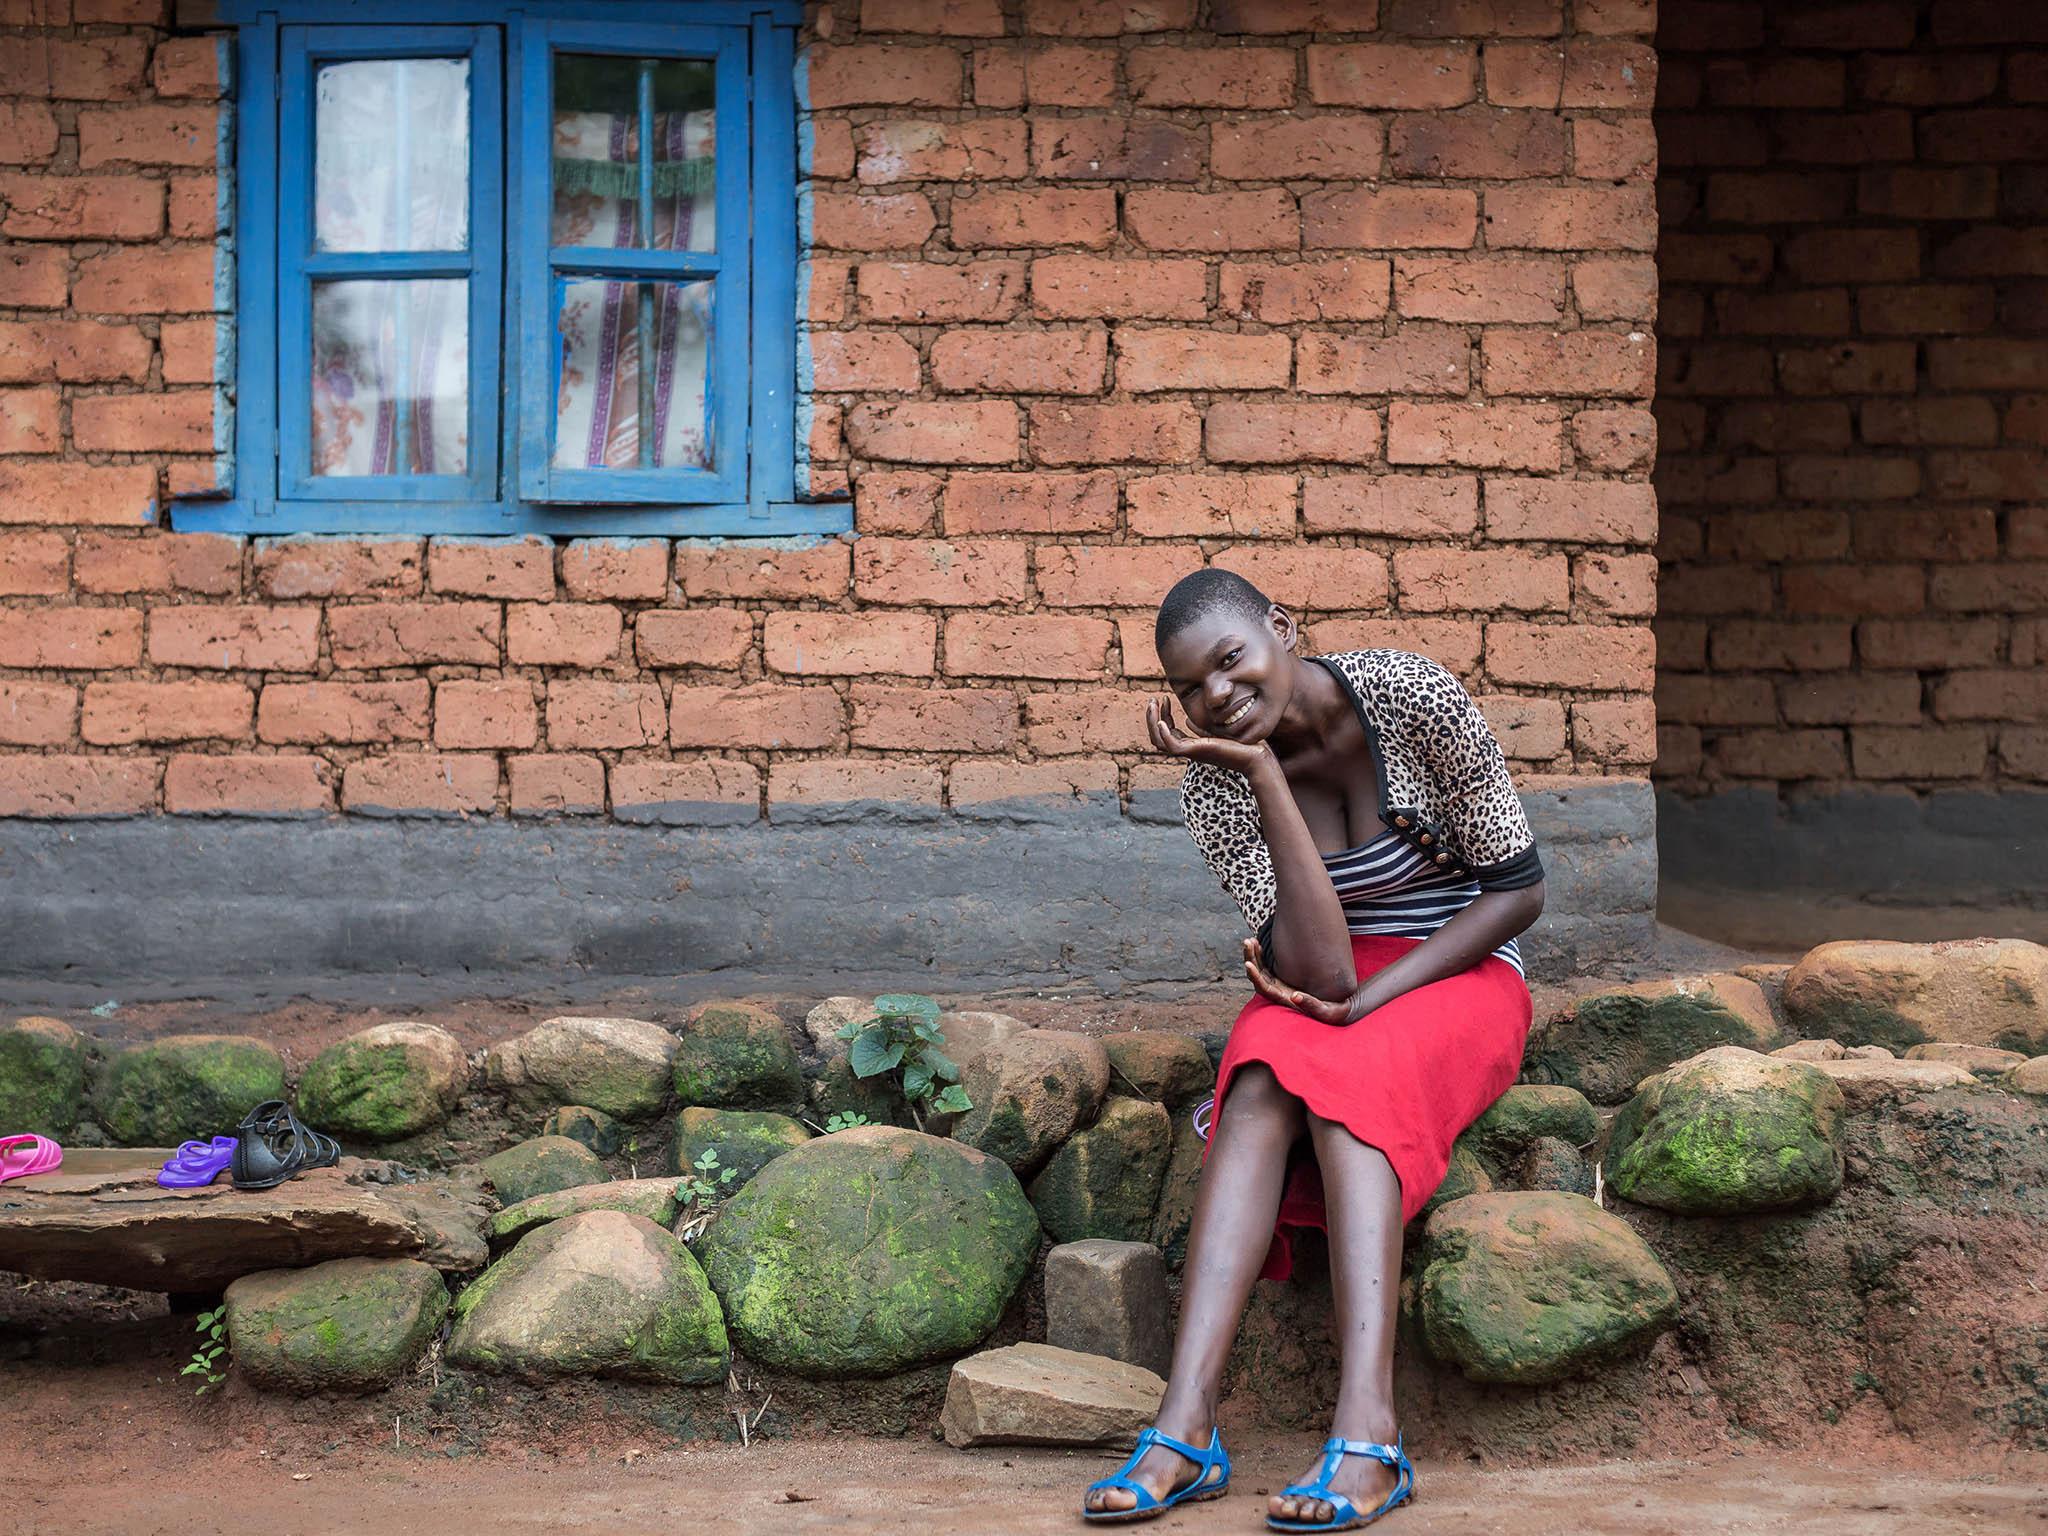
<point>907,1005</point>
<point>873,1052</point>
<point>942,1065</point>
<point>952,1100</point>
<point>917,1081</point>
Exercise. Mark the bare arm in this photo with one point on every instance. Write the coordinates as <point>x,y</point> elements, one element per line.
<point>1311,942</point>
<point>1492,919</point>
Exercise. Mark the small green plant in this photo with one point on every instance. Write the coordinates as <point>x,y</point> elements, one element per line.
<point>206,1360</point>
<point>904,1038</point>
<point>845,1120</point>
<point>704,1179</point>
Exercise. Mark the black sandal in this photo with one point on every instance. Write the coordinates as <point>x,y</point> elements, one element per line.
<point>272,1144</point>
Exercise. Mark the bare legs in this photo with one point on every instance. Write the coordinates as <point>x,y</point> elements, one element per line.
<point>1363,1201</point>
<point>1233,1225</point>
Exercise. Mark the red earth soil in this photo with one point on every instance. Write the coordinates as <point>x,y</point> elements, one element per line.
<point>126,1448</point>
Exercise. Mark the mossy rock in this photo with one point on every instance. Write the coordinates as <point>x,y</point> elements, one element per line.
<point>1549,1162</point>
<point>836,1091</point>
<point>384,1083</point>
<point>2029,1077</point>
<point>825,1020</point>
<point>746,1141</point>
<point>1728,1133</point>
<point>185,1088</point>
<point>737,1056</point>
<point>1527,1112</point>
<point>1530,1288</point>
<point>870,1251</point>
<point>601,1293</point>
<point>1105,1181</point>
<point>593,1127</point>
<point>43,1066</point>
<point>1605,1044</point>
<point>1466,1174</point>
<point>654,1199</point>
<point>619,1066</point>
<point>540,1167</point>
<point>1165,1068</point>
<point>1177,1189</point>
<point>349,1325</point>
<point>1878,992</point>
<point>1030,1092</point>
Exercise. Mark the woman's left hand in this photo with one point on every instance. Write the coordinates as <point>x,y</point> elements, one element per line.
<point>1273,989</point>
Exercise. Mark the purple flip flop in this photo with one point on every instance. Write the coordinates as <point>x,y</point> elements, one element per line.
<point>197,1163</point>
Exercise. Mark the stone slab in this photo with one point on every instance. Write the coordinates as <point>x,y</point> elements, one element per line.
<point>1104,1297</point>
<point>133,1233</point>
<point>1034,1394</point>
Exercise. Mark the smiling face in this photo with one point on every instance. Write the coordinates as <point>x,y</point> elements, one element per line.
<point>1233,676</point>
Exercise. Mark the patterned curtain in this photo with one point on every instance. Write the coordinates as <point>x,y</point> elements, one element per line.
<point>597,203</point>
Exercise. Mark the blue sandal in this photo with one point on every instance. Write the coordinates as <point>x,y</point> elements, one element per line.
<point>1212,1482</point>
<point>1344,1514</point>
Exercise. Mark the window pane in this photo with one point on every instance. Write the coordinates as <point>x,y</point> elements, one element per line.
<point>391,155</point>
<point>609,412</point>
<point>603,193</point>
<point>391,377</point>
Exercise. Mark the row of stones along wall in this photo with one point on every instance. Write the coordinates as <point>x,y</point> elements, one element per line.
<point>1352,297</point>
<point>1854,401</point>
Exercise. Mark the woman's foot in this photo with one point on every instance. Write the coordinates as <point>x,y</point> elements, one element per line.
<point>1159,1472</point>
<point>1361,1479</point>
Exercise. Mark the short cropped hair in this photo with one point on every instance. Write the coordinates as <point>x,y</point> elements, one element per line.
<point>1201,593</point>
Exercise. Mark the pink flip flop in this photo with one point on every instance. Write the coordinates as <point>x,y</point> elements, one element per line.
<point>23,1157</point>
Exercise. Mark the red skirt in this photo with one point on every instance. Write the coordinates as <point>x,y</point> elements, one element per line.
<point>1405,1079</point>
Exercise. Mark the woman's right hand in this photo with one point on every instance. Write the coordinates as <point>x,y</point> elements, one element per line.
<point>1239,756</point>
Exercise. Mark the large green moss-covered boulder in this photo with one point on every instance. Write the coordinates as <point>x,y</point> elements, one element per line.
<point>384,1083</point>
<point>1030,1092</point>
<point>1529,1288</point>
<point>1603,1045</point>
<point>746,1141</point>
<point>349,1325</point>
<point>1876,992</point>
<point>1105,1181</point>
<point>737,1056</point>
<point>654,1199</point>
<point>540,1167</point>
<point>42,1077</point>
<point>620,1066</point>
<point>1154,1064</point>
<point>1528,1112</point>
<point>603,1293</point>
<point>185,1088</point>
<point>1730,1132</point>
<point>870,1251</point>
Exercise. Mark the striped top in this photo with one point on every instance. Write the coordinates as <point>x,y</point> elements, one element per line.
<point>1394,890</point>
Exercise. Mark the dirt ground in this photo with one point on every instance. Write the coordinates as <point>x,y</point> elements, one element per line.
<point>123,1448</point>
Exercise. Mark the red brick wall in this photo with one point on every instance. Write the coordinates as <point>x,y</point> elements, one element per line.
<point>1353,297</point>
<point>1854,394</point>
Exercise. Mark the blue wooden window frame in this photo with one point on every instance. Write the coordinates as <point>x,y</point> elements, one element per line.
<point>511,486</point>
<point>301,266</point>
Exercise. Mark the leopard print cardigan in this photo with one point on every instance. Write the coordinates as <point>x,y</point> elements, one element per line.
<point>1443,786</point>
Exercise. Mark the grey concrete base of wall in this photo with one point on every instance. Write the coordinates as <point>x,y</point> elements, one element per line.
<point>1749,866</point>
<point>1014,896</point>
